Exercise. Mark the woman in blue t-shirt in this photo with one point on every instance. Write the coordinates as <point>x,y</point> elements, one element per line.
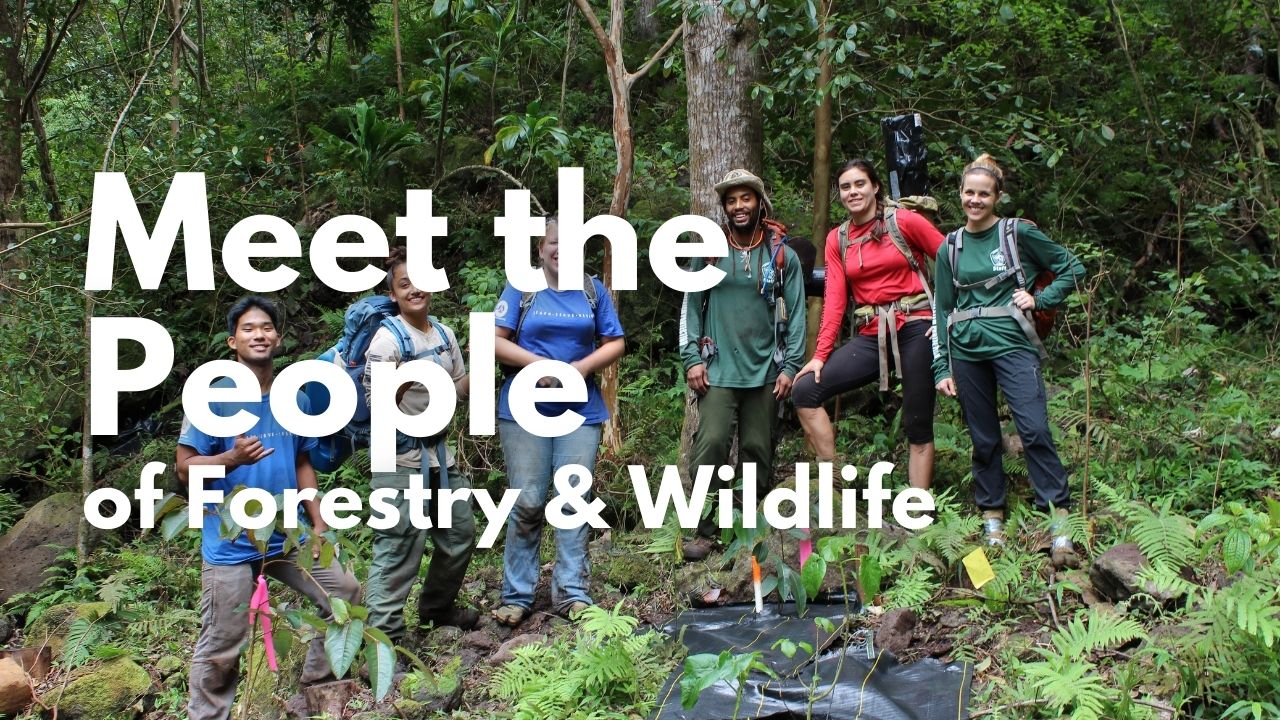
<point>579,327</point>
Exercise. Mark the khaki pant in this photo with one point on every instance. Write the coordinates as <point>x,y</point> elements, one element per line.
<point>753,412</point>
<point>397,555</point>
<point>224,625</point>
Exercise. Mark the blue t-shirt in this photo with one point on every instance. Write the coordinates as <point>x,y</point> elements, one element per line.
<point>560,327</point>
<point>274,473</point>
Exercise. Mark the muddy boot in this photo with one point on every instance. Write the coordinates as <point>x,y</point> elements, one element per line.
<point>993,527</point>
<point>1061,552</point>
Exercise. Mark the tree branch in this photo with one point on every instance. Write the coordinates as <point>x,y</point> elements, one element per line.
<point>644,69</point>
<point>489,168</point>
<point>598,30</point>
<point>46,58</point>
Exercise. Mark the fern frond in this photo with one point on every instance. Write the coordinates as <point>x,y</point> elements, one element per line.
<point>1165,539</point>
<point>1076,639</point>
<point>1065,684</point>
<point>912,590</point>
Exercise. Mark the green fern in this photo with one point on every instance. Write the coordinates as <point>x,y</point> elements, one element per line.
<point>1165,539</point>
<point>1104,630</point>
<point>912,590</point>
<point>1066,678</point>
<point>607,671</point>
<point>1065,684</point>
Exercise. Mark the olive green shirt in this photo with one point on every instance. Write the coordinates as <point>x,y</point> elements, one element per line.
<point>738,318</point>
<point>980,258</point>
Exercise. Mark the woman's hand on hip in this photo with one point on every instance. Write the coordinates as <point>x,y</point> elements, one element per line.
<point>813,366</point>
<point>1024,300</point>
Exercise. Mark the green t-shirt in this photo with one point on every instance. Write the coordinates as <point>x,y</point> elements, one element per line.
<point>981,258</point>
<point>740,321</point>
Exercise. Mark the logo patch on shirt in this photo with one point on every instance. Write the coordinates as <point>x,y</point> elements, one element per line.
<point>500,310</point>
<point>998,263</point>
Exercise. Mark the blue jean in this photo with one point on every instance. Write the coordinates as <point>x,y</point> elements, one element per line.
<point>1018,376</point>
<point>532,462</point>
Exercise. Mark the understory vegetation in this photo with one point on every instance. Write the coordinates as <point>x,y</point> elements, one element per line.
<point>1143,136</point>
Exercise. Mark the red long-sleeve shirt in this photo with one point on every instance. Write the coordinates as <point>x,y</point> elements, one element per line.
<point>875,270</point>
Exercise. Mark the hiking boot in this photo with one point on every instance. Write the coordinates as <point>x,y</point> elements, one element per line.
<point>575,609</point>
<point>697,549</point>
<point>1062,553</point>
<point>463,618</point>
<point>993,527</point>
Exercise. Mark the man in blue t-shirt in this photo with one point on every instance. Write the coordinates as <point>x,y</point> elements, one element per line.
<point>267,457</point>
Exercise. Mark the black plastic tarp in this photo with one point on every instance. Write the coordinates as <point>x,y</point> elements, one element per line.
<point>846,679</point>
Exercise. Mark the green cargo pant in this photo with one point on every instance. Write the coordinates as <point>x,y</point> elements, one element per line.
<point>397,555</point>
<point>755,411</point>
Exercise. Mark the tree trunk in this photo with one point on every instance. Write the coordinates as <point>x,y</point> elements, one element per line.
<point>444,95</point>
<point>175,67</point>
<point>395,35</point>
<point>646,20</point>
<point>821,172</point>
<point>46,164</point>
<point>620,82</point>
<point>725,126</point>
<point>200,54</point>
<point>11,93</point>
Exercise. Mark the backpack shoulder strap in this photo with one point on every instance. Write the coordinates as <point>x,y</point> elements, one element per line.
<point>396,327</point>
<point>445,346</point>
<point>843,234</point>
<point>895,234</point>
<point>955,239</point>
<point>526,302</point>
<point>1009,246</point>
<point>589,289</point>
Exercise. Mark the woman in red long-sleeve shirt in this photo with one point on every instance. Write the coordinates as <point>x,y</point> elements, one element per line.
<point>891,318</point>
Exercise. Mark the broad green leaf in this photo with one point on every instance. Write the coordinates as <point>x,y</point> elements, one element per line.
<point>341,644</point>
<point>812,574</point>
<point>381,658</point>
<point>341,614</point>
<point>1107,133</point>
<point>282,638</point>
<point>174,523</point>
<point>1236,546</point>
<point>869,575</point>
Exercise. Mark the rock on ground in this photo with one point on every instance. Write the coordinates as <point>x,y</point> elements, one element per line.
<point>33,544</point>
<point>101,691</point>
<point>896,630</point>
<point>1115,575</point>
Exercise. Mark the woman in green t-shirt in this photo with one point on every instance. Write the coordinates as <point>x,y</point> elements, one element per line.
<point>984,339</point>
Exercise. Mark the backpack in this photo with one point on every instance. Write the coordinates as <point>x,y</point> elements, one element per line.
<point>361,322</point>
<point>1040,323</point>
<point>526,302</point>
<point>922,204</point>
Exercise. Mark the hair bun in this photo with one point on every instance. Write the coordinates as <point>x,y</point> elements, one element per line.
<point>988,163</point>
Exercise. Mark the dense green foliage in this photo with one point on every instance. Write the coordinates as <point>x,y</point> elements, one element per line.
<point>1145,136</point>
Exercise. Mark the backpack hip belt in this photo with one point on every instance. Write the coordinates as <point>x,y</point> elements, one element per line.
<point>886,318</point>
<point>1011,311</point>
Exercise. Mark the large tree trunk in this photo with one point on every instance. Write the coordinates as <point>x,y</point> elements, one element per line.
<point>12,89</point>
<point>725,126</point>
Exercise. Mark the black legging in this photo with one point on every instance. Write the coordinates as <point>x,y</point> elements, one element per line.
<point>858,363</point>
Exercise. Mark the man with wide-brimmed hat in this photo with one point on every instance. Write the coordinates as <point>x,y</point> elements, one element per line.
<point>742,341</point>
